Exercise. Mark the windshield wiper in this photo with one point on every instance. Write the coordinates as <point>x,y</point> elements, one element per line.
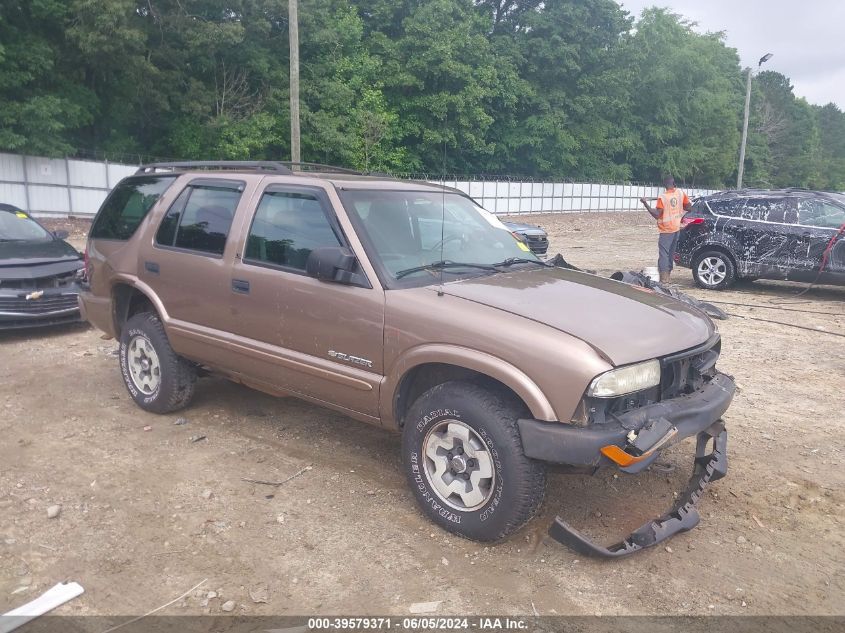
<point>510,261</point>
<point>441,265</point>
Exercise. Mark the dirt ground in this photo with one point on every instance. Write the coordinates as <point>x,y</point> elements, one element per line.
<point>148,511</point>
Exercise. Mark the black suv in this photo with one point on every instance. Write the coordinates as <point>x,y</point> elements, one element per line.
<point>791,234</point>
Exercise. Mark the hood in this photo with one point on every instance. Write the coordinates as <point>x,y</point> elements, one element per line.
<point>25,260</point>
<point>624,323</point>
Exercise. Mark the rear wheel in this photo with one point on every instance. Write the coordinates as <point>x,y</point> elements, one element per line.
<point>155,376</point>
<point>464,462</point>
<point>713,270</point>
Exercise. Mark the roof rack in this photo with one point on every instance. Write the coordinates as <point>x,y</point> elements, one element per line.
<point>268,166</point>
<point>320,167</point>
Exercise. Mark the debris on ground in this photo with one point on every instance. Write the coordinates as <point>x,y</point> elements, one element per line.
<point>228,606</point>
<point>264,482</point>
<point>180,421</point>
<point>55,596</point>
<point>424,607</point>
<point>53,511</point>
<point>259,595</point>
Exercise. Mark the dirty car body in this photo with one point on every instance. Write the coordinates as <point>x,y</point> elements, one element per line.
<point>405,305</point>
<point>786,234</point>
<point>38,273</point>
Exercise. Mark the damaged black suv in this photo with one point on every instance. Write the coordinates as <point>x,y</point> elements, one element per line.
<point>789,234</point>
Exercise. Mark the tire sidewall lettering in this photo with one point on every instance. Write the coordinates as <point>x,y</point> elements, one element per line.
<point>428,497</point>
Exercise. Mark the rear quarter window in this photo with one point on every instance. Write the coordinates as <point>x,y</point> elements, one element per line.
<point>731,208</point>
<point>127,205</point>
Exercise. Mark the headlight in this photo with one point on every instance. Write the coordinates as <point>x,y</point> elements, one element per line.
<point>618,382</point>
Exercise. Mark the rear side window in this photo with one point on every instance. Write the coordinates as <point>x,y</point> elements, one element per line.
<point>200,218</point>
<point>127,205</point>
<point>286,228</point>
<point>756,209</point>
<point>730,208</point>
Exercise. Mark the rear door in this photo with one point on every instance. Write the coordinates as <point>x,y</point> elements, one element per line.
<point>320,340</point>
<point>776,236</point>
<point>188,264</point>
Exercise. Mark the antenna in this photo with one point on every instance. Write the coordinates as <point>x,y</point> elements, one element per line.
<point>442,210</point>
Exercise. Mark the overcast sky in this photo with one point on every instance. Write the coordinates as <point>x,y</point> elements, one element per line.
<point>806,37</point>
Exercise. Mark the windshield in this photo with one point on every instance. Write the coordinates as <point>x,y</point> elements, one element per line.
<point>417,234</point>
<point>17,226</point>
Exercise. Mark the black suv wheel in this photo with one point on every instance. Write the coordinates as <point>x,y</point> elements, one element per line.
<point>713,270</point>
<point>156,378</point>
<point>464,461</point>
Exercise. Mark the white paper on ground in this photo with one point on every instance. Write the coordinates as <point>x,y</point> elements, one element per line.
<point>47,601</point>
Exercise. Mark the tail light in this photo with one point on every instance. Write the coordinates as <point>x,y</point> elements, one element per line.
<point>87,265</point>
<point>685,222</point>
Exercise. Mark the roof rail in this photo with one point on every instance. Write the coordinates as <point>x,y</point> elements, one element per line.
<point>320,167</point>
<point>268,166</point>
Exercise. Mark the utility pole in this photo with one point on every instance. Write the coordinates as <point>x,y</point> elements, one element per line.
<point>293,26</point>
<point>744,130</point>
<point>741,168</point>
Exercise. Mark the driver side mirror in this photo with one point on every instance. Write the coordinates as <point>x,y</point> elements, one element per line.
<point>60,234</point>
<point>333,263</point>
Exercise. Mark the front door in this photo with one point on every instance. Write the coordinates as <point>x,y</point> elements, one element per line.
<point>820,222</point>
<point>317,339</point>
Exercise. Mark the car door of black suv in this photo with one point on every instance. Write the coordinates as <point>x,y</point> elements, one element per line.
<point>820,222</point>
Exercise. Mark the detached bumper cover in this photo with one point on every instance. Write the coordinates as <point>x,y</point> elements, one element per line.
<point>682,517</point>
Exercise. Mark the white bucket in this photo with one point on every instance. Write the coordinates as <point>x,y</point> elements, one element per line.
<point>652,273</point>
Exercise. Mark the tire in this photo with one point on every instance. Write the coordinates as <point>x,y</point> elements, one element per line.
<point>462,414</point>
<point>165,382</point>
<point>713,270</point>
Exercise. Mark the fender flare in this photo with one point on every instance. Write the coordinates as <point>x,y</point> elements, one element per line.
<point>467,358</point>
<point>144,289</point>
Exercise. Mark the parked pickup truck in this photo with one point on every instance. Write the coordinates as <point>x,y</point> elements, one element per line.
<point>407,306</point>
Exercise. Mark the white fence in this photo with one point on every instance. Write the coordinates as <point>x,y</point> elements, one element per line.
<point>60,187</point>
<point>510,197</point>
<point>57,186</point>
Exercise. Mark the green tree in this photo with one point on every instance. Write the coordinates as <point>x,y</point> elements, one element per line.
<point>687,103</point>
<point>40,103</point>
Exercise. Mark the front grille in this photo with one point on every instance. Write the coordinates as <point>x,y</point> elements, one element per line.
<point>53,281</point>
<point>689,371</point>
<point>44,305</point>
<point>538,244</point>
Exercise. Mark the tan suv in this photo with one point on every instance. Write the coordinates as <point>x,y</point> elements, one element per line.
<point>405,305</point>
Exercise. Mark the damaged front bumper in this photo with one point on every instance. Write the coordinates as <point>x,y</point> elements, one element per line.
<point>682,517</point>
<point>632,442</point>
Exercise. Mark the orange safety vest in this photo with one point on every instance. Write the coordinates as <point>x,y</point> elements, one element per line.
<point>672,211</point>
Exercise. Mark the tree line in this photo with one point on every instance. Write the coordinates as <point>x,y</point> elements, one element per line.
<point>551,89</point>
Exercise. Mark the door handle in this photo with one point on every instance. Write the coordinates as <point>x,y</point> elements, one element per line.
<point>151,267</point>
<point>241,286</point>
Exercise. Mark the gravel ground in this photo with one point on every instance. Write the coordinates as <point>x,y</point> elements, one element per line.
<point>146,511</point>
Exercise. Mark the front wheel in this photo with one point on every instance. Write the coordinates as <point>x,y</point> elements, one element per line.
<point>155,376</point>
<point>713,270</point>
<point>464,461</point>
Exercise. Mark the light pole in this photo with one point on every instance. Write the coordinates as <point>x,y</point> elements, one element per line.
<point>293,25</point>
<point>763,60</point>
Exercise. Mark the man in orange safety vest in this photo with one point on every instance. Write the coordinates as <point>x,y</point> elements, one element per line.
<point>670,208</point>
